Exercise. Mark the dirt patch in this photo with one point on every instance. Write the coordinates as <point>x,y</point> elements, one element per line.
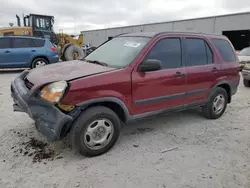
<point>36,149</point>
<point>141,131</point>
<point>39,150</point>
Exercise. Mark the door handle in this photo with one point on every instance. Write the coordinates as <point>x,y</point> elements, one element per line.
<point>214,69</point>
<point>179,74</point>
<point>7,51</point>
<point>33,50</point>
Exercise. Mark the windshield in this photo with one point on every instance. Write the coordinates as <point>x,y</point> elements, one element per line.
<point>245,52</point>
<point>118,52</point>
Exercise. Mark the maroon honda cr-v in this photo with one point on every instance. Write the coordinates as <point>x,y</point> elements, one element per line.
<point>127,78</point>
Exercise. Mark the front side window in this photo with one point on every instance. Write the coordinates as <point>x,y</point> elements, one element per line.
<point>198,52</point>
<point>4,43</point>
<point>168,51</point>
<point>118,52</point>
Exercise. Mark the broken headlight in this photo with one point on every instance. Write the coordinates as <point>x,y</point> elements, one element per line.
<point>54,92</point>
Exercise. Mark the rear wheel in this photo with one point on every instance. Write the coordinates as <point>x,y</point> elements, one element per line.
<point>246,83</point>
<point>216,104</point>
<point>39,62</point>
<point>95,131</point>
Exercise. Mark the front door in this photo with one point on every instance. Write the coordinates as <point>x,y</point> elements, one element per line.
<point>5,49</point>
<point>165,88</point>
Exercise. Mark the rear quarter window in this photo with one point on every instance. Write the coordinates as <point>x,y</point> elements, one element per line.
<point>38,43</point>
<point>225,49</point>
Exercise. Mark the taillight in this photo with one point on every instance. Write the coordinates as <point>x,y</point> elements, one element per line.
<point>53,48</point>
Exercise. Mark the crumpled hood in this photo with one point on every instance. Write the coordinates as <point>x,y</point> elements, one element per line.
<point>67,70</point>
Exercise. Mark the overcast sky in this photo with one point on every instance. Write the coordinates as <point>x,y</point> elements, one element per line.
<point>74,16</point>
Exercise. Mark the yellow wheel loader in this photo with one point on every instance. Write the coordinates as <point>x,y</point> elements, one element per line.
<point>69,47</point>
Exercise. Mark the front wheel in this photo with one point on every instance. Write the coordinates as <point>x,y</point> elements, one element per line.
<point>95,131</point>
<point>216,104</point>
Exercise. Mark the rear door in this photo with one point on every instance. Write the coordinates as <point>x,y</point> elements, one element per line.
<point>202,71</point>
<point>22,51</point>
<point>165,88</point>
<point>5,44</point>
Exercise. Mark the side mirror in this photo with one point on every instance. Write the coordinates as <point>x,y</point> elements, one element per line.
<point>150,65</point>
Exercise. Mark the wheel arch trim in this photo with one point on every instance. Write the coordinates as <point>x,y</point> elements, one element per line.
<point>118,101</point>
<point>231,85</point>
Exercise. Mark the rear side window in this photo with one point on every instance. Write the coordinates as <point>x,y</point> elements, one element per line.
<point>225,50</point>
<point>27,43</point>
<point>168,51</point>
<point>22,43</point>
<point>38,43</point>
<point>198,52</point>
<point>4,43</point>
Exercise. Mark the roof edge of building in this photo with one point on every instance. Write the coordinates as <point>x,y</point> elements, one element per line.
<point>189,19</point>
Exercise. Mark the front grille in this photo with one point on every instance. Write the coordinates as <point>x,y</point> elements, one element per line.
<point>27,83</point>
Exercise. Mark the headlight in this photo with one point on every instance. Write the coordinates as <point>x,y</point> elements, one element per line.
<point>54,92</point>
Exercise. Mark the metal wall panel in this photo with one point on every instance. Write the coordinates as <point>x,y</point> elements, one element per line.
<point>184,26</point>
<point>101,37</point>
<point>113,32</point>
<point>232,22</point>
<point>96,38</point>
<point>212,25</point>
<point>158,27</point>
<point>127,29</point>
<point>86,37</point>
<point>138,29</point>
<point>200,25</point>
<point>204,25</point>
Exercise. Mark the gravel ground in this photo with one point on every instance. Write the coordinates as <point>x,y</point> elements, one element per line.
<point>210,154</point>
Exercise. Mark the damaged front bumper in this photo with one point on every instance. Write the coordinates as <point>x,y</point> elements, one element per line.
<point>49,119</point>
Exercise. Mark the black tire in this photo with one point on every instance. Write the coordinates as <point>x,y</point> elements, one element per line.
<point>80,126</point>
<point>35,62</point>
<point>63,58</point>
<point>71,50</point>
<point>208,109</point>
<point>246,83</point>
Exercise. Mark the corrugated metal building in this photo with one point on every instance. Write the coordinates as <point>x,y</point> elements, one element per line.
<point>235,26</point>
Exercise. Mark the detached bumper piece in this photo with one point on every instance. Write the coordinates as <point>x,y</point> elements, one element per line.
<point>49,119</point>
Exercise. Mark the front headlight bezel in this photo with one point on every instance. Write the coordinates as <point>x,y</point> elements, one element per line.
<point>47,93</point>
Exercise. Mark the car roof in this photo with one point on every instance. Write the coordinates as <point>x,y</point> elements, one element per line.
<point>153,34</point>
<point>25,37</point>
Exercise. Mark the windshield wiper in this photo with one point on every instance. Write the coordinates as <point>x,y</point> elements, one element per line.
<point>96,62</point>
